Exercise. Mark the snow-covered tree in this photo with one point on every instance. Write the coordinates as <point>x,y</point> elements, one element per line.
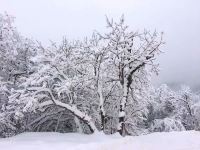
<point>92,60</point>
<point>163,108</point>
<point>56,81</point>
<point>15,51</point>
<point>131,57</point>
<point>15,63</point>
<point>186,108</point>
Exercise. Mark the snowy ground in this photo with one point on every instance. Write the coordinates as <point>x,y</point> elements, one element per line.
<point>189,140</point>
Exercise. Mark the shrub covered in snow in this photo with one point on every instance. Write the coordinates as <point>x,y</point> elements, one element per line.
<point>166,125</point>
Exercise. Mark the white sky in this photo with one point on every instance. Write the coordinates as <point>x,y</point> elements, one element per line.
<point>46,20</point>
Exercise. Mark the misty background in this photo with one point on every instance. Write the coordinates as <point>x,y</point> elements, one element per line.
<point>46,20</point>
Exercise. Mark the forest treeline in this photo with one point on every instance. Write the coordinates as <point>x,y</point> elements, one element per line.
<point>99,84</point>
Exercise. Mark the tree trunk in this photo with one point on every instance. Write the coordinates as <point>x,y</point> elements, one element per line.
<point>101,106</point>
<point>122,114</point>
<point>102,115</point>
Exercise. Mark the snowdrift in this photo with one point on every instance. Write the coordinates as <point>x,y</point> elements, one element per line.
<point>185,140</point>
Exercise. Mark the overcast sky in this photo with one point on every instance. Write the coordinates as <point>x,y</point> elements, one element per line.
<point>46,20</point>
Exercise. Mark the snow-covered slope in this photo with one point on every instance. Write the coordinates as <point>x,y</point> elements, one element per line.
<point>187,140</point>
